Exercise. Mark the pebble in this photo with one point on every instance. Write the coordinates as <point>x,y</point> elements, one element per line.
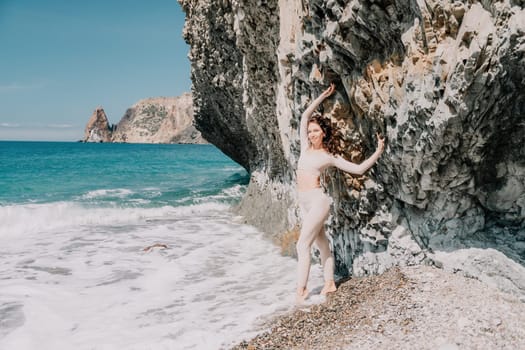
<point>420,307</point>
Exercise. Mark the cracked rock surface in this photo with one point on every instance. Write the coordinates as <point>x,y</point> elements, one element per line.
<point>444,81</point>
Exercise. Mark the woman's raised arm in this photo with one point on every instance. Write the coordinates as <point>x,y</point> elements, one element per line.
<point>303,131</point>
<point>360,169</point>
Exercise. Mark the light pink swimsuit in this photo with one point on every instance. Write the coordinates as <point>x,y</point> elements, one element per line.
<point>315,207</point>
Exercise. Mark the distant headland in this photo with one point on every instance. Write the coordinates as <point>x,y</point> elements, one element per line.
<point>152,120</point>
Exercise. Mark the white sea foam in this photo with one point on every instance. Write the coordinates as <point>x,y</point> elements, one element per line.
<point>226,194</point>
<point>114,193</point>
<point>235,191</point>
<point>79,278</point>
<point>20,220</point>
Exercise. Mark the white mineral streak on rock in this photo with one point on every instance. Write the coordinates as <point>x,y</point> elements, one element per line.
<point>290,18</point>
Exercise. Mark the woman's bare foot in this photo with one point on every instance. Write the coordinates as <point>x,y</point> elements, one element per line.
<point>302,294</point>
<point>329,287</point>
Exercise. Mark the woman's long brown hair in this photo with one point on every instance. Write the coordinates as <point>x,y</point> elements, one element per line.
<point>329,142</point>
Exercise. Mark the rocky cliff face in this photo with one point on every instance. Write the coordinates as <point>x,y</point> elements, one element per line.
<point>159,120</point>
<point>443,80</point>
<point>152,120</point>
<point>98,128</point>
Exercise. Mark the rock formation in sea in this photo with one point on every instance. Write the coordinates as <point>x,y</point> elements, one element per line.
<point>159,120</point>
<point>444,81</point>
<point>98,128</point>
<point>152,120</point>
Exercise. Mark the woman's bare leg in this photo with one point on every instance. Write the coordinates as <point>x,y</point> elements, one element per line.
<point>313,222</point>
<point>327,260</point>
<point>304,245</point>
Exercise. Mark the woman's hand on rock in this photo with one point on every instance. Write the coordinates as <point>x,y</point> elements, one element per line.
<point>329,91</point>
<point>380,142</point>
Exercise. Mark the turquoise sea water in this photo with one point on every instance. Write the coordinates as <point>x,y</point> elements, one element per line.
<point>126,246</point>
<point>113,174</point>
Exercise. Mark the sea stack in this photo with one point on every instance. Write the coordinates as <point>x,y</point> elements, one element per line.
<point>98,128</point>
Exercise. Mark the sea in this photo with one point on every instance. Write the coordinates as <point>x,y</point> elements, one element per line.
<point>132,246</point>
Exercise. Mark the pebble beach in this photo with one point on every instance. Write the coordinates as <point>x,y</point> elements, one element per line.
<point>419,307</point>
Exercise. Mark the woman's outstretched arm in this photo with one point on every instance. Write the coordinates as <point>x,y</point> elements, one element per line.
<point>303,131</point>
<point>360,169</point>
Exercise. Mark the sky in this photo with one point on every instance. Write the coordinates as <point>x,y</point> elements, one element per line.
<point>61,59</point>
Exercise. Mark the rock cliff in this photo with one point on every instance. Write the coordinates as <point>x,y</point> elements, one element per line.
<point>98,128</point>
<point>159,120</point>
<point>443,80</point>
<point>152,120</point>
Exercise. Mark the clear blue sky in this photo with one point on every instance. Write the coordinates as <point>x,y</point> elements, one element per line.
<point>60,59</point>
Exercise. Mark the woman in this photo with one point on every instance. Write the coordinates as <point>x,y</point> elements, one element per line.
<point>314,203</point>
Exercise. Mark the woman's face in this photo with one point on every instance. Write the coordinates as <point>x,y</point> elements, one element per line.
<point>315,135</point>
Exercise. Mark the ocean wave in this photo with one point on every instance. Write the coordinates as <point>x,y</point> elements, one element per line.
<point>154,197</point>
<point>112,193</point>
<point>99,288</point>
<point>227,195</point>
<point>20,220</point>
<point>96,208</point>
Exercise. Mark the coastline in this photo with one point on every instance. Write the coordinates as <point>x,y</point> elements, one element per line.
<point>419,307</point>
